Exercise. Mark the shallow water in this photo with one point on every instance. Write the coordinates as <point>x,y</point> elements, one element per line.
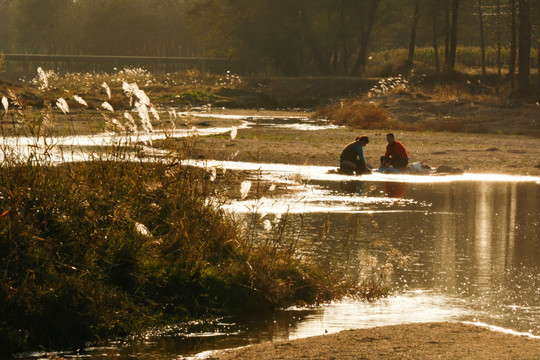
<point>85,147</point>
<point>476,243</point>
<point>475,240</point>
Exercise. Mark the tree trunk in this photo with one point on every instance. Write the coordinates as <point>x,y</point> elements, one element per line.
<point>453,38</point>
<point>435,42</point>
<point>345,39</point>
<point>524,59</point>
<point>499,41</point>
<point>513,49</point>
<point>361,61</point>
<point>482,40</point>
<point>447,35</point>
<point>412,38</point>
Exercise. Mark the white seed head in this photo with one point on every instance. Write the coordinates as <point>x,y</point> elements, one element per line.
<point>80,100</point>
<point>62,105</point>
<point>245,186</point>
<point>5,102</point>
<point>107,106</point>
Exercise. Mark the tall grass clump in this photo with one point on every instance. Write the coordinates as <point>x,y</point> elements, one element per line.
<point>356,113</point>
<point>362,113</point>
<point>102,249</point>
<point>116,244</point>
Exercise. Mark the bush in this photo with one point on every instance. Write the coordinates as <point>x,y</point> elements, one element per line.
<point>357,114</point>
<point>101,249</point>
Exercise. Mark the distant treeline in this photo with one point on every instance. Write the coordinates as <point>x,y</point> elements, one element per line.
<point>291,37</point>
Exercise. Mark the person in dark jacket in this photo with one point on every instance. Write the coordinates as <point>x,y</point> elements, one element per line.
<point>396,155</point>
<point>352,157</point>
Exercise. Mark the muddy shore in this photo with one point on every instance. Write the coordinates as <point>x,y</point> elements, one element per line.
<point>410,341</point>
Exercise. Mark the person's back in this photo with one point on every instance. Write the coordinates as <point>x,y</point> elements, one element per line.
<point>351,151</point>
<point>352,157</point>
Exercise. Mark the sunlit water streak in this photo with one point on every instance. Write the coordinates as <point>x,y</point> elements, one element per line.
<point>82,147</point>
<point>303,124</point>
<point>291,171</point>
<point>283,121</point>
<point>73,148</point>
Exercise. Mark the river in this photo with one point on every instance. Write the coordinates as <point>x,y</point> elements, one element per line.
<point>474,240</point>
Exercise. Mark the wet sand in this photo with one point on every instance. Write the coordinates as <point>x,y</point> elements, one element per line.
<point>473,153</point>
<point>410,341</point>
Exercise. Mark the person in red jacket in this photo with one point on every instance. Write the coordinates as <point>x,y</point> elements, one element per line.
<point>395,155</point>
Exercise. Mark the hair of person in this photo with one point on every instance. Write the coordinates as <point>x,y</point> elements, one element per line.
<point>390,134</point>
<point>363,137</point>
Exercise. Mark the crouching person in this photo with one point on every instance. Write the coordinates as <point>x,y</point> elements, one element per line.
<point>352,157</point>
<point>395,155</point>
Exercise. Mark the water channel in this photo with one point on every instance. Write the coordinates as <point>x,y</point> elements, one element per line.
<point>475,240</point>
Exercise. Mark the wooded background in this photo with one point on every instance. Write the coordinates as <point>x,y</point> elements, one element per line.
<point>286,37</point>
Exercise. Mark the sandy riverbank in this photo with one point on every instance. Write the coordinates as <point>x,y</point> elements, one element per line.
<point>410,341</point>
<point>474,153</point>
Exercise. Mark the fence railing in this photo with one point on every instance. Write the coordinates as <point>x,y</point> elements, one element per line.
<point>18,66</point>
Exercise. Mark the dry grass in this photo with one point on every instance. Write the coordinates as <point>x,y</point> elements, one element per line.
<point>357,114</point>
<point>85,248</point>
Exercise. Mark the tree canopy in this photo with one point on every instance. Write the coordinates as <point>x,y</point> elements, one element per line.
<point>293,37</point>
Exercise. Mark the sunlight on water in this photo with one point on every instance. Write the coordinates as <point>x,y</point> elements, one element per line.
<point>83,147</point>
<point>503,330</point>
<point>309,198</point>
<point>302,206</point>
<point>324,173</point>
<point>411,307</point>
<point>283,121</point>
<point>68,148</point>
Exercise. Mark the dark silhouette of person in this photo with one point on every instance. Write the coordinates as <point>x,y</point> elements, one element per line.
<point>352,157</point>
<point>396,155</point>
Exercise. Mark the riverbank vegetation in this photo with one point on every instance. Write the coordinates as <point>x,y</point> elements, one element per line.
<point>104,249</point>
<point>116,244</point>
<point>418,104</point>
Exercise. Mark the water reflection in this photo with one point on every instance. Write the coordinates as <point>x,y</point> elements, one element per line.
<point>477,244</point>
<point>395,189</point>
<point>392,189</point>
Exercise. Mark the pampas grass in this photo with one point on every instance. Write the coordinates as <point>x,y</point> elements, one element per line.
<point>107,89</point>
<point>80,100</point>
<point>245,186</point>
<point>5,103</point>
<point>62,105</point>
<point>105,105</point>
